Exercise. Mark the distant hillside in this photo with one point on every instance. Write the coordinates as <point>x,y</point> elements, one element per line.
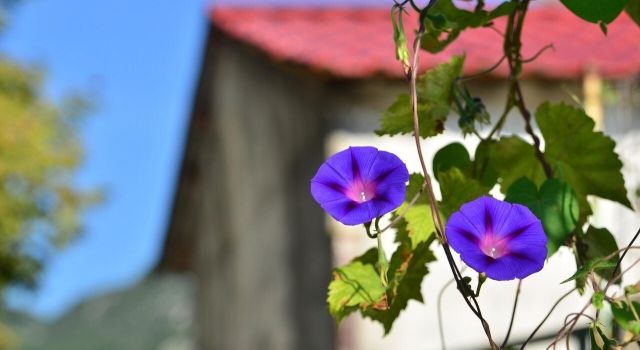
<point>156,314</point>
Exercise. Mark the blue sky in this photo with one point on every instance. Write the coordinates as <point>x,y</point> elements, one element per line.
<point>140,59</point>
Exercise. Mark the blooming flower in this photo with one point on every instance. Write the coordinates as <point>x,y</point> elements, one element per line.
<point>359,184</point>
<point>501,239</point>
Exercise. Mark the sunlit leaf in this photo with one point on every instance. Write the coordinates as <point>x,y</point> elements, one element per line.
<point>419,225</point>
<point>354,286</point>
<point>583,157</point>
<point>434,90</point>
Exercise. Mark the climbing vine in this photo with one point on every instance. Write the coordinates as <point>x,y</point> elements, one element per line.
<point>545,204</point>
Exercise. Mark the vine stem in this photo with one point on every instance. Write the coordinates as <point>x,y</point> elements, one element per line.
<point>512,45</point>
<point>416,136</point>
<point>513,315</point>
<point>428,184</point>
<point>567,329</point>
<point>546,318</point>
<point>629,246</point>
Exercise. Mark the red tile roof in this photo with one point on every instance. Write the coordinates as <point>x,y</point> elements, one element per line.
<point>357,43</point>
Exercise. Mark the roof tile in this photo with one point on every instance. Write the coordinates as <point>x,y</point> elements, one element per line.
<point>357,42</point>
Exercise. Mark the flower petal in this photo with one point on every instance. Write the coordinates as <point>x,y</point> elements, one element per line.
<point>353,162</point>
<point>343,188</point>
<point>476,260</point>
<point>462,234</point>
<point>388,198</point>
<point>387,169</point>
<point>501,239</point>
<point>519,264</point>
<point>519,221</point>
<point>349,212</point>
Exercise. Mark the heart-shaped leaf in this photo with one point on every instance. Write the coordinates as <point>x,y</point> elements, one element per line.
<point>555,204</point>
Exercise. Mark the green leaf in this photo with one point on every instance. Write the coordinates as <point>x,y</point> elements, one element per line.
<point>599,340</point>
<point>583,157</point>
<point>596,11</point>
<point>633,10</point>
<point>598,300</point>
<point>450,156</point>
<point>434,90</point>
<point>420,225</point>
<point>354,286</point>
<point>555,205</point>
<point>435,86</point>
<point>458,189</point>
<point>407,269</point>
<point>445,22</point>
<point>598,243</point>
<point>481,168</point>
<point>591,266</point>
<point>513,158</point>
<point>632,289</point>
<point>626,317</point>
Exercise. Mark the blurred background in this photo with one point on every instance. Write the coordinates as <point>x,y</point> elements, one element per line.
<point>155,159</point>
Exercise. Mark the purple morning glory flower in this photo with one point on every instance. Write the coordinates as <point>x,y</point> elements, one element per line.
<point>501,239</point>
<point>360,184</point>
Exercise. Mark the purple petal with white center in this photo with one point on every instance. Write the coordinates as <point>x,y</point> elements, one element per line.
<point>359,184</point>
<point>501,239</point>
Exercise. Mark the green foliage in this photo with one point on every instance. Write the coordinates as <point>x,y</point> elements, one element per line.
<point>354,286</point>
<point>470,109</point>
<point>434,90</point>
<point>450,156</point>
<point>632,289</point>
<point>407,269</point>
<point>633,10</point>
<point>583,162</point>
<point>583,157</point>
<point>458,189</point>
<point>596,11</point>
<point>598,300</point>
<point>555,204</point>
<point>481,169</point>
<point>459,183</point>
<point>598,243</point>
<point>627,317</point>
<point>40,151</point>
<point>445,22</point>
<point>513,158</point>
<point>420,225</point>
<point>594,265</point>
<point>357,286</point>
<point>599,340</point>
